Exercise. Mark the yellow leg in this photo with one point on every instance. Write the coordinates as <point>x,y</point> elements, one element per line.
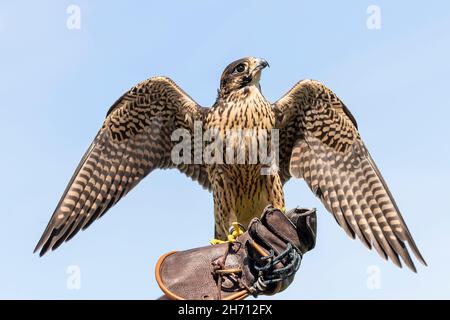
<point>237,231</point>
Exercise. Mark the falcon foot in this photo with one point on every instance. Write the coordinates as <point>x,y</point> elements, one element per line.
<point>262,260</point>
<point>235,231</point>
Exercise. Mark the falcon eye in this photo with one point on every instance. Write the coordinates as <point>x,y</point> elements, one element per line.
<point>239,68</point>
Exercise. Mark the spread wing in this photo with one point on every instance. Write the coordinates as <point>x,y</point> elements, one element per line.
<point>320,143</point>
<point>134,140</point>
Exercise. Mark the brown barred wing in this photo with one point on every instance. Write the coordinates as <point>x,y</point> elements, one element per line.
<point>133,141</point>
<point>328,153</point>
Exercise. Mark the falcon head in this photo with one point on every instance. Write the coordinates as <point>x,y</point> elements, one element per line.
<point>241,73</point>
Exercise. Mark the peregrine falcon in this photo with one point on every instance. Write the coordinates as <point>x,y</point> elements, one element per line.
<point>318,142</point>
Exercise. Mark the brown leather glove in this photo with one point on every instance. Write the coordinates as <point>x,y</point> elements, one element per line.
<point>263,260</point>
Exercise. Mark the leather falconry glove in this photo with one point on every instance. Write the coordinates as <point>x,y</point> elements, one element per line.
<point>262,260</point>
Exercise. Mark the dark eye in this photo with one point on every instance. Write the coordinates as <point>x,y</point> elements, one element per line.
<point>239,68</point>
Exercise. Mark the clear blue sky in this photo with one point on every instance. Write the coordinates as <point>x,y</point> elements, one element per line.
<point>56,85</point>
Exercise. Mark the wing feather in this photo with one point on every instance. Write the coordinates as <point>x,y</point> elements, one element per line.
<point>134,140</point>
<point>321,144</point>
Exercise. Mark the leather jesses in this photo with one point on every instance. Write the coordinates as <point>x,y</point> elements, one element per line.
<point>262,260</point>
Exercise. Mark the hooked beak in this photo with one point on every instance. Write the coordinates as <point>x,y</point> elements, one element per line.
<point>256,72</point>
<point>261,64</point>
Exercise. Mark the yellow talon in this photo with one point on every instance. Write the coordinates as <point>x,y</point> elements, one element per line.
<point>217,241</point>
<point>232,236</point>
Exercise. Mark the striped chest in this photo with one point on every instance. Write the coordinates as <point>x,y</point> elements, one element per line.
<point>242,122</point>
<point>245,109</point>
